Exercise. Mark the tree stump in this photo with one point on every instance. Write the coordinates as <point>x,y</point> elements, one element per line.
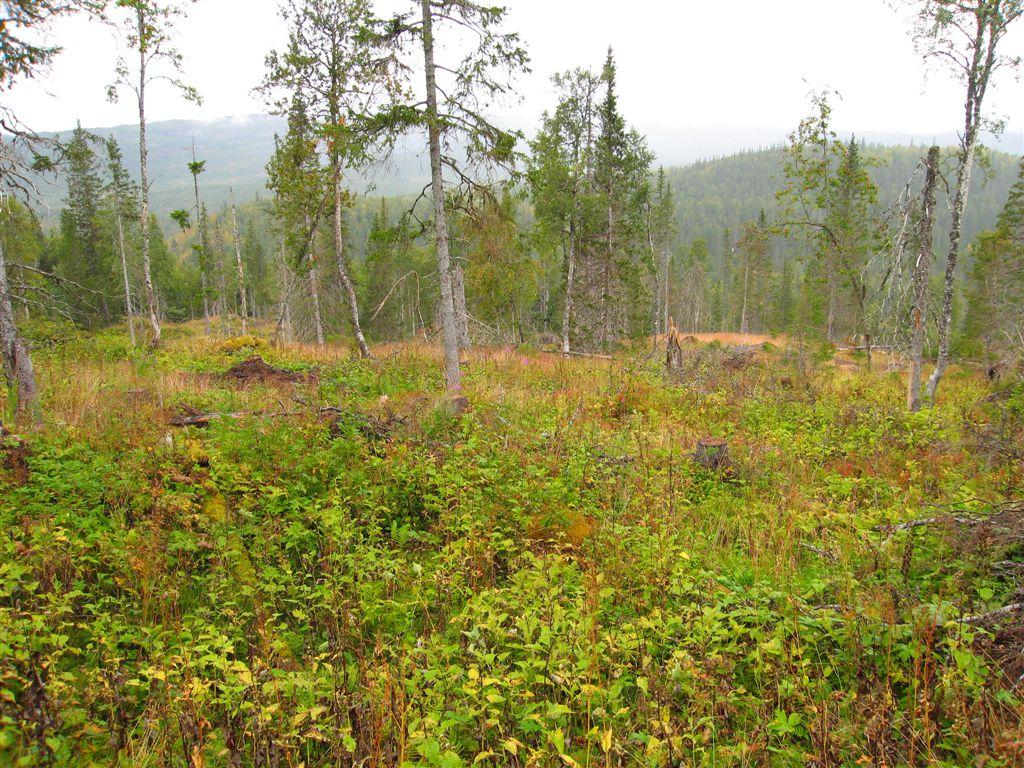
<point>674,354</point>
<point>712,453</point>
<point>459,405</point>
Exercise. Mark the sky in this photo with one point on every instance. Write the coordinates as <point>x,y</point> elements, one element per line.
<point>681,63</point>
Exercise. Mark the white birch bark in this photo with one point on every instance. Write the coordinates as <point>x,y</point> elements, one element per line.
<point>238,263</point>
<point>147,272</point>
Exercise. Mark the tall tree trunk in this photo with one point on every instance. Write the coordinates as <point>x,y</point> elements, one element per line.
<point>606,288</point>
<point>17,361</point>
<point>238,263</point>
<point>963,185</point>
<point>922,268</point>
<point>284,321</point>
<point>459,296</point>
<point>286,327</point>
<point>449,321</point>
<point>147,272</point>
<point>746,284</point>
<point>203,251</point>
<point>339,256</point>
<point>664,289</point>
<point>570,276</point>
<point>314,286</point>
<point>727,252</point>
<point>205,289</point>
<point>314,293</point>
<point>124,272</point>
<point>983,62</point>
<point>656,312</point>
<point>830,319</point>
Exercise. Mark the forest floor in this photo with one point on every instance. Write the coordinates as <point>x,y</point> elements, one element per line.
<point>211,562</point>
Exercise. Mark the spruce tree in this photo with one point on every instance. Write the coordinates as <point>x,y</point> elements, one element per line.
<point>83,256</point>
<point>621,167</point>
<point>301,186</point>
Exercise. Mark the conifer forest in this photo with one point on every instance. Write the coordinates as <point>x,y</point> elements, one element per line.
<point>436,417</point>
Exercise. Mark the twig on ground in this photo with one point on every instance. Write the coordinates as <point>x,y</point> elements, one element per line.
<point>943,520</point>
<point>1006,610</point>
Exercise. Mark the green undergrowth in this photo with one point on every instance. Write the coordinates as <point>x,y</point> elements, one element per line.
<point>343,573</point>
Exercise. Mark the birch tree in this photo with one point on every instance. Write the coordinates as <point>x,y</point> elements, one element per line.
<point>830,202</point>
<point>148,27</point>
<point>239,267</point>
<point>963,36</point>
<point>18,373</point>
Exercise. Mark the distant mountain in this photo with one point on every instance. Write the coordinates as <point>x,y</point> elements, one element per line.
<point>236,150</point>
<point>721,176</point>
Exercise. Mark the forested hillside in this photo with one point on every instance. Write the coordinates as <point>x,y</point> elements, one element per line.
<point>724,192</point>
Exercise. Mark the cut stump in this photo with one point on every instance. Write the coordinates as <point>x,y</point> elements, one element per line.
<point>712,453</point>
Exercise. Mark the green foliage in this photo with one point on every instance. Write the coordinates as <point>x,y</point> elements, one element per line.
<point>589,183</point>
<point>400,299</point>
<point>995,290</point>
<point>546,579</point>
<point>501,279</point>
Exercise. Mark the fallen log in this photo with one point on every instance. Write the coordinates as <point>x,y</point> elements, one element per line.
<point>203,419</point>
<point>920,523</point>
<point>573,353</point>
<point>193,417</point>
<point>1006,610</point>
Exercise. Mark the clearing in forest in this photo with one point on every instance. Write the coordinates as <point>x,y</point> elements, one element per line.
<point>334,569</point>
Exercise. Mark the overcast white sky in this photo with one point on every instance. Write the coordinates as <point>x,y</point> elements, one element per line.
<point>681,63</point>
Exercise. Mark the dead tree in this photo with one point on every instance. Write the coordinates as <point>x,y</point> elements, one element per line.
<point>922,268</point>
<point>17,362</point>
